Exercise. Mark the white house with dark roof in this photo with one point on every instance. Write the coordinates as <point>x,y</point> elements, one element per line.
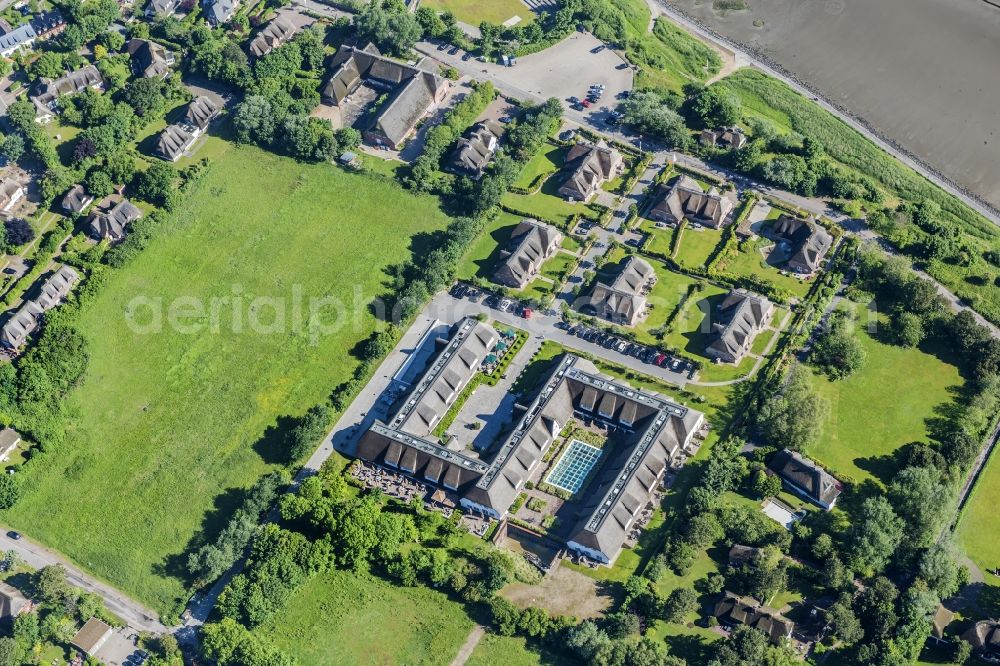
<point>686,200</point>
<point>805,478</point>
<point>21,37</point>
<point>11,192</point>
<point>623,301</point>
<point>807,242</point>
<point>112,223</point>
<point>474,150</point>
<point>531,243</point>
<point>735,324</point>
<point>589,166</point>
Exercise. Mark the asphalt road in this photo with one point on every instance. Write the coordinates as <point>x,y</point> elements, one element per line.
<point>133,613</point>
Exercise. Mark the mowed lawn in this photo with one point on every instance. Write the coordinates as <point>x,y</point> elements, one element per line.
<point>495,650</point>
<point>881,407</point>
<point>165,427</point>
<point>345,618</point>
<point>476,11</point>
<point>976,532</point>
<point>696,246</point>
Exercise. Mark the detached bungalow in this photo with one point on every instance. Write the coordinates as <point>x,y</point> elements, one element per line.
<point>173,142</point>
<point>808,242</point>
<point>112,225</point>
<point>149,59</point>
<point>804,477</point>
<point>686,200</point>
<point>531,243</point>
<point>725,137</point>
<point>91,637</point>
<point>77,199</point>
<point>590,166</point>
<point>11,192</point>
<point>733,610</point>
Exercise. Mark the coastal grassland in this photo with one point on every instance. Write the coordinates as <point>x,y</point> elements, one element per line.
<point>342,617</point>
<point>169,426</point>
<point>974,279</point>
<point>667,56</point>
<point>881,407</point>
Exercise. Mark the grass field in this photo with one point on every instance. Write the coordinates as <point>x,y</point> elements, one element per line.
<point>857,435</point>
<point>546,161</point>
<point>696,245</point>
<point>976,532</point>
<point>168,427</point>
<point>481,257</point>
<point>476,11</point>
<point>748,260</point>
<point>547,205</point>
<point>345,618</point>
<point>495,650</point>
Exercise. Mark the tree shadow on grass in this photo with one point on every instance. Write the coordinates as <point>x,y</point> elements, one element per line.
<point>382,307</point>
<point>271,445</point>
<point>212,523</point>
<point>693,649</point>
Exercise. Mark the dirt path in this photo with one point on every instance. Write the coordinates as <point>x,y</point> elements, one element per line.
<point>470,644</point>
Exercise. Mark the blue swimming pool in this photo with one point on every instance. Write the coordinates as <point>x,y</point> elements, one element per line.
<point>573,466</point>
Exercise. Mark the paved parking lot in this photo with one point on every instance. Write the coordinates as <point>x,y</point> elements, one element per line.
<point>554,72</point>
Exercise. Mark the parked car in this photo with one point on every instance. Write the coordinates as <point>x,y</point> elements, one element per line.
<point>660,358</point>
<point>16,536</point>
<point>505,305</point>
<point>621,346</point>
<point>585,103</point>
<point>459,290</point>
<point>505,119</point>
<point>573,100</point>
<point>597,49</point>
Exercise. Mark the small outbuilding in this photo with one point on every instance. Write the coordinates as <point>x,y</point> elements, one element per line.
<point>91,637</point>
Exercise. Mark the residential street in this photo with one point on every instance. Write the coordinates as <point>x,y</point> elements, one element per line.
<point>34,555</point>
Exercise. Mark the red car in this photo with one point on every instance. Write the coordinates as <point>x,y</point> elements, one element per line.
<point>660,358</point>
<point>585,103</point>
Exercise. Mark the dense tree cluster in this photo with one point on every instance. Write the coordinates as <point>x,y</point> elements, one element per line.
<point>213,559</point>
<point>792,414</point>
<point>837,351</point>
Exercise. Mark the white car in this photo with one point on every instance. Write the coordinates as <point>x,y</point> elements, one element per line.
<point>505,305</point>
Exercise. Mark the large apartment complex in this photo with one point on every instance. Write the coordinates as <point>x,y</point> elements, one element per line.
<point>649,433</point>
